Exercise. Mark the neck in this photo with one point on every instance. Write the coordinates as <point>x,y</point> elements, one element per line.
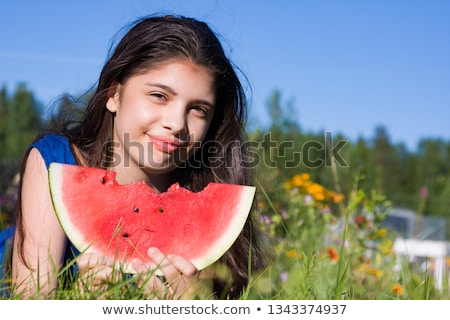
<point>160,182</point>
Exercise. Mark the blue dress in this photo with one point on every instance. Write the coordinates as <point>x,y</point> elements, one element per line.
<point>53,148</point>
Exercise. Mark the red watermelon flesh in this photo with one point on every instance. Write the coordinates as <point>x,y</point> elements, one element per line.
<point>122,221</point>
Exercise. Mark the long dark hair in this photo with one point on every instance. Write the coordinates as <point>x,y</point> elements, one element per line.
<point>153,40</point>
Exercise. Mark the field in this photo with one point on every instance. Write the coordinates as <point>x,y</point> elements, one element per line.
<point>326,246</point>
<point>333,246</point>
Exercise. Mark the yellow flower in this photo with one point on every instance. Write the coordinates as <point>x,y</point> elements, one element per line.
<point>299,179</point>
<point>316,190</point>
<point>373,271</point>
<point>397,289</point>
<point>260,204</point>
<point>302,184</point>
<point>386,247</point>
<point>382,233</point>
<point>288,185</point>
<point>292,254</point>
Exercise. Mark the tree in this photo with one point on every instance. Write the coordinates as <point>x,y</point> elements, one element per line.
<point>20,121</point>
<point>387,166</point>
<point>433,173</point>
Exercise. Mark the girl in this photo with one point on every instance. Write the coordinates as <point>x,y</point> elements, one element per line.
<point>169,88</point>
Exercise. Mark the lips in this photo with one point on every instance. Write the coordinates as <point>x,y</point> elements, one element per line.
<point>165,144</point>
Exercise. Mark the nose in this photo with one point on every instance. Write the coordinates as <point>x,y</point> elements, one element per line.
<point>174,118</point>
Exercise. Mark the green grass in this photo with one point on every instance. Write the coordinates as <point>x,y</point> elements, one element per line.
<point>322,250</point>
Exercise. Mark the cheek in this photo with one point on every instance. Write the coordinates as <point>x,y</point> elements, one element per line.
<point>136,114</point>
<point>200,130</point>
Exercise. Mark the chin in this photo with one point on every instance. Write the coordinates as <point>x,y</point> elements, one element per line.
<point>160,168</point>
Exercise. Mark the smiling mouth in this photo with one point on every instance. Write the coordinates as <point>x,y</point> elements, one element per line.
<point>163,145</point>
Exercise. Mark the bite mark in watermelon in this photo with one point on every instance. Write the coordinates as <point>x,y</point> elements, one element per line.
<point>122,221</point>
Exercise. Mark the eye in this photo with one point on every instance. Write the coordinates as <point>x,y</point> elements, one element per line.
<point>201,110</point>
<point>158,96</point>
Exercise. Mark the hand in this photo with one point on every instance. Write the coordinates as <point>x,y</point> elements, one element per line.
<point>96,271</point>
<point>179,278</point>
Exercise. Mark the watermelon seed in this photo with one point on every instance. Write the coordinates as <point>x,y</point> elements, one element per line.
<point>103,180</point>
<point>161,210</point>
<point>125,235</point>
<point>136,209</point>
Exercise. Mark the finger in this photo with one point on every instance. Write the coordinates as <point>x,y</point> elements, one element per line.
<point>98,278</point>
<point>87,259</point>
<point>167,268</point>
<point>158,258</point>
<point>150,282</point>
<point>185,267</point>
<point>172,266</point>
<point>141,267</point>
<point>100,274</point>
<point>180,274</point>
<point>146,275</point>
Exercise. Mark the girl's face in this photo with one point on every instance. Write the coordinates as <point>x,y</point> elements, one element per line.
<point>161,118</point>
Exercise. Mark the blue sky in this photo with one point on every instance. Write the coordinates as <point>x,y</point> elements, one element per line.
<point>346,65</point>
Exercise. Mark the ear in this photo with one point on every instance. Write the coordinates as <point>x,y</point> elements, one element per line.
<point>112,104</point>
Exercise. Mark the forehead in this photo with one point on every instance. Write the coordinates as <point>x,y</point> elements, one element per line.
<point>155,65</point>
<point>179,77</point>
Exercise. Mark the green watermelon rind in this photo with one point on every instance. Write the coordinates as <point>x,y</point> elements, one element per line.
<point>229,236</point>
<point>55,182</point>
<point>216,250</point>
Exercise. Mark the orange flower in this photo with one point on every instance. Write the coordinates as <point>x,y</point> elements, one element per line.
<point>336,197</point>
<point>299,179</point>
<point>397,289</point>
<point>333,254</point>
<point>316,190</point>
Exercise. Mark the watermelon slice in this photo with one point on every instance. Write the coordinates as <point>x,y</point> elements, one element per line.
<point>122,221</point>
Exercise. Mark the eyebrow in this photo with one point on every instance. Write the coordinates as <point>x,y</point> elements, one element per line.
<point>172,91</point>
<point>162,86</point>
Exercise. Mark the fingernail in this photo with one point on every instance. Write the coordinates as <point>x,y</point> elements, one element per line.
<point>171,256</point>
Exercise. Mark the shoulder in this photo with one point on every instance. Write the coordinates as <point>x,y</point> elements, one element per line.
<point>54,148</point>
<point>51,140</point>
